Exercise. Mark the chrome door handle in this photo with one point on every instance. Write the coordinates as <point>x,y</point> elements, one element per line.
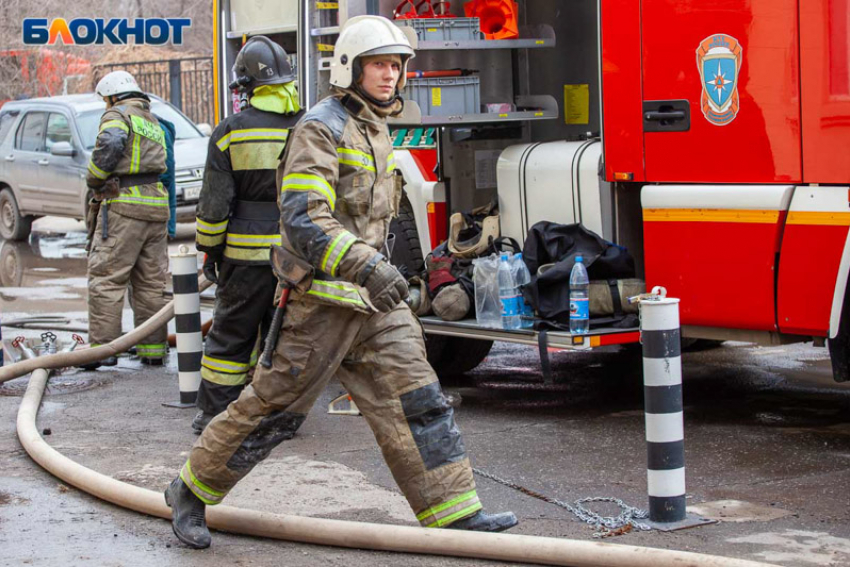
<point>43,162</point>
<point>9,158</point>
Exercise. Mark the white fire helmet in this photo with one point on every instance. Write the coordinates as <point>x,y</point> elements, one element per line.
<point>116,83</point>
<point>365,36</point>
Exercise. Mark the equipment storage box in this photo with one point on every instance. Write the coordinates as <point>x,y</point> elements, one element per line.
<point>444,29</point>
<point>445,96</point>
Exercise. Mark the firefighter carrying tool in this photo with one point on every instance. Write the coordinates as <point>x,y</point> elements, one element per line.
<point>337,198</point>
<point>238,219</point>
<point>123,174</point>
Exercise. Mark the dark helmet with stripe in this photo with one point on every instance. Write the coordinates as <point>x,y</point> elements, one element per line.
<point>261,62</point>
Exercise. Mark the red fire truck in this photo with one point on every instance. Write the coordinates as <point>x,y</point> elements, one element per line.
<point>709,138</point>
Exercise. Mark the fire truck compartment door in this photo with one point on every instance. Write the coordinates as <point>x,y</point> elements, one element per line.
<point>814,245</point>
<point>737,64</point>
<point>716,247</point>
<point>553,181</point>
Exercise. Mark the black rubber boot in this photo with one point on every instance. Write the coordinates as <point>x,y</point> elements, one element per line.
<point>151,361</point>
<point>188,518</point>
<point>202,419</point>
<point>108,361</point>
<point>483,522</point>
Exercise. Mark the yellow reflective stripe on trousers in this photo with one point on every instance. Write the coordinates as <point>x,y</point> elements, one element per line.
<point>443,514</point>
<point>336,292</point>
<point>114,124</point>
<point>355,158</point>
<point>253,240</point>
<point>223,379</point>
<point>309,182</point>
<point>151,351</point>
<point>223,365</point>
<point>336,250</point>
<point>247,254</point>
<point>252,134</point>
<point>97,172</point>
<point>210,227</point>
<point>206,494</point>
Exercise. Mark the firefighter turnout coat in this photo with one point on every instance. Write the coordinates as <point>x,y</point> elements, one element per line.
<point>130,149</point>
<point>238,219</point>
<point>337,198</point>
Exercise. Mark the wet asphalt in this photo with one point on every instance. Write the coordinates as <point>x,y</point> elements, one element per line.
<point>767,437</point>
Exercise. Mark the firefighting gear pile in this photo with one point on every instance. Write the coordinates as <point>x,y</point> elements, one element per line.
<point>128,244</point>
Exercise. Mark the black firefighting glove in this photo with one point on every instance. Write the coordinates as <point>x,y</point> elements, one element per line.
<point>212,263</point>
<point>386,286</point>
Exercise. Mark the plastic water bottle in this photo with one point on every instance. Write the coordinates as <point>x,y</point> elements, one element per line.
<point>522,277</point>
<point>508,295</point>
<point>579,301</point>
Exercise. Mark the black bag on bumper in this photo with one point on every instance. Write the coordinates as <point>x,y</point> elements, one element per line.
<point>554,247</point>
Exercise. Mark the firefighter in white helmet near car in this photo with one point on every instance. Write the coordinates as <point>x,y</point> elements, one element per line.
<point>128,245</point>
<point>338,194</point>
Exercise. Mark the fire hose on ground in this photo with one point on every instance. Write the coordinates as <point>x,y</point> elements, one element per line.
<point>339,533</point>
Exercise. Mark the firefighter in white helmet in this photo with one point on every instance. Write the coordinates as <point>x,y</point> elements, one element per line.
<point>128,245</point>
<point>338,194</point>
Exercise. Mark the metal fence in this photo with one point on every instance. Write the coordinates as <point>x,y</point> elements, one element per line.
<point>185,83</point>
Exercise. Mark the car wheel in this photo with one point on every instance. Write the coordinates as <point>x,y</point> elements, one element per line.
<point>13,226</point>
<point>11,267</point>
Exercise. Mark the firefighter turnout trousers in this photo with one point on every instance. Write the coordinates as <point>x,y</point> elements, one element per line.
<point>134,254</point>
<point>244,306</point>
<point>380,359</point>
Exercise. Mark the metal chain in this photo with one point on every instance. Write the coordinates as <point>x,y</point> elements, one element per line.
<point>606,526</point>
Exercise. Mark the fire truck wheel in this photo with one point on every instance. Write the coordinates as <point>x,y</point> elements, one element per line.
<point>839,347</point>
<point>407,250</point>
<point>452,357</point>
<point>699,345</point>
<point>13,226</point>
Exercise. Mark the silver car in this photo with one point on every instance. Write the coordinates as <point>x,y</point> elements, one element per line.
<point>45,147</point>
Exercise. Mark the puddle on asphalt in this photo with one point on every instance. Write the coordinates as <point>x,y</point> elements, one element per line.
<point>45,273</point>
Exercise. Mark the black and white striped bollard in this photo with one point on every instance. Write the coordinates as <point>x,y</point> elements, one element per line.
<point>187,317</point>
<point>665,432</point>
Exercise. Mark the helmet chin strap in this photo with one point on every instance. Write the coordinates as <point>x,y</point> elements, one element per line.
<point>373,100</point>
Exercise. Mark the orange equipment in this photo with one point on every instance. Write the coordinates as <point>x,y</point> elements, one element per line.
<point>498,17</point>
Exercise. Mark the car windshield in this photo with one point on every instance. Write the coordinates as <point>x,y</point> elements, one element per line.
<point>89,122</point>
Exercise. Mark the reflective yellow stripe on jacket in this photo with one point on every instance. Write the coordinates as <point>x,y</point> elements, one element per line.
<point>356,158</point>
<point>96,171</point>
<point>336,250</point>
<point>250,247</point>
<point>133,195</point>
<point>247,134</point>
<point>210,234</point>
<point>114,124</point>
<point>342,292</point>
<point>309,182</point>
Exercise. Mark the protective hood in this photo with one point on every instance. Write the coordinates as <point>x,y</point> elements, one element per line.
<point>282,99</point>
